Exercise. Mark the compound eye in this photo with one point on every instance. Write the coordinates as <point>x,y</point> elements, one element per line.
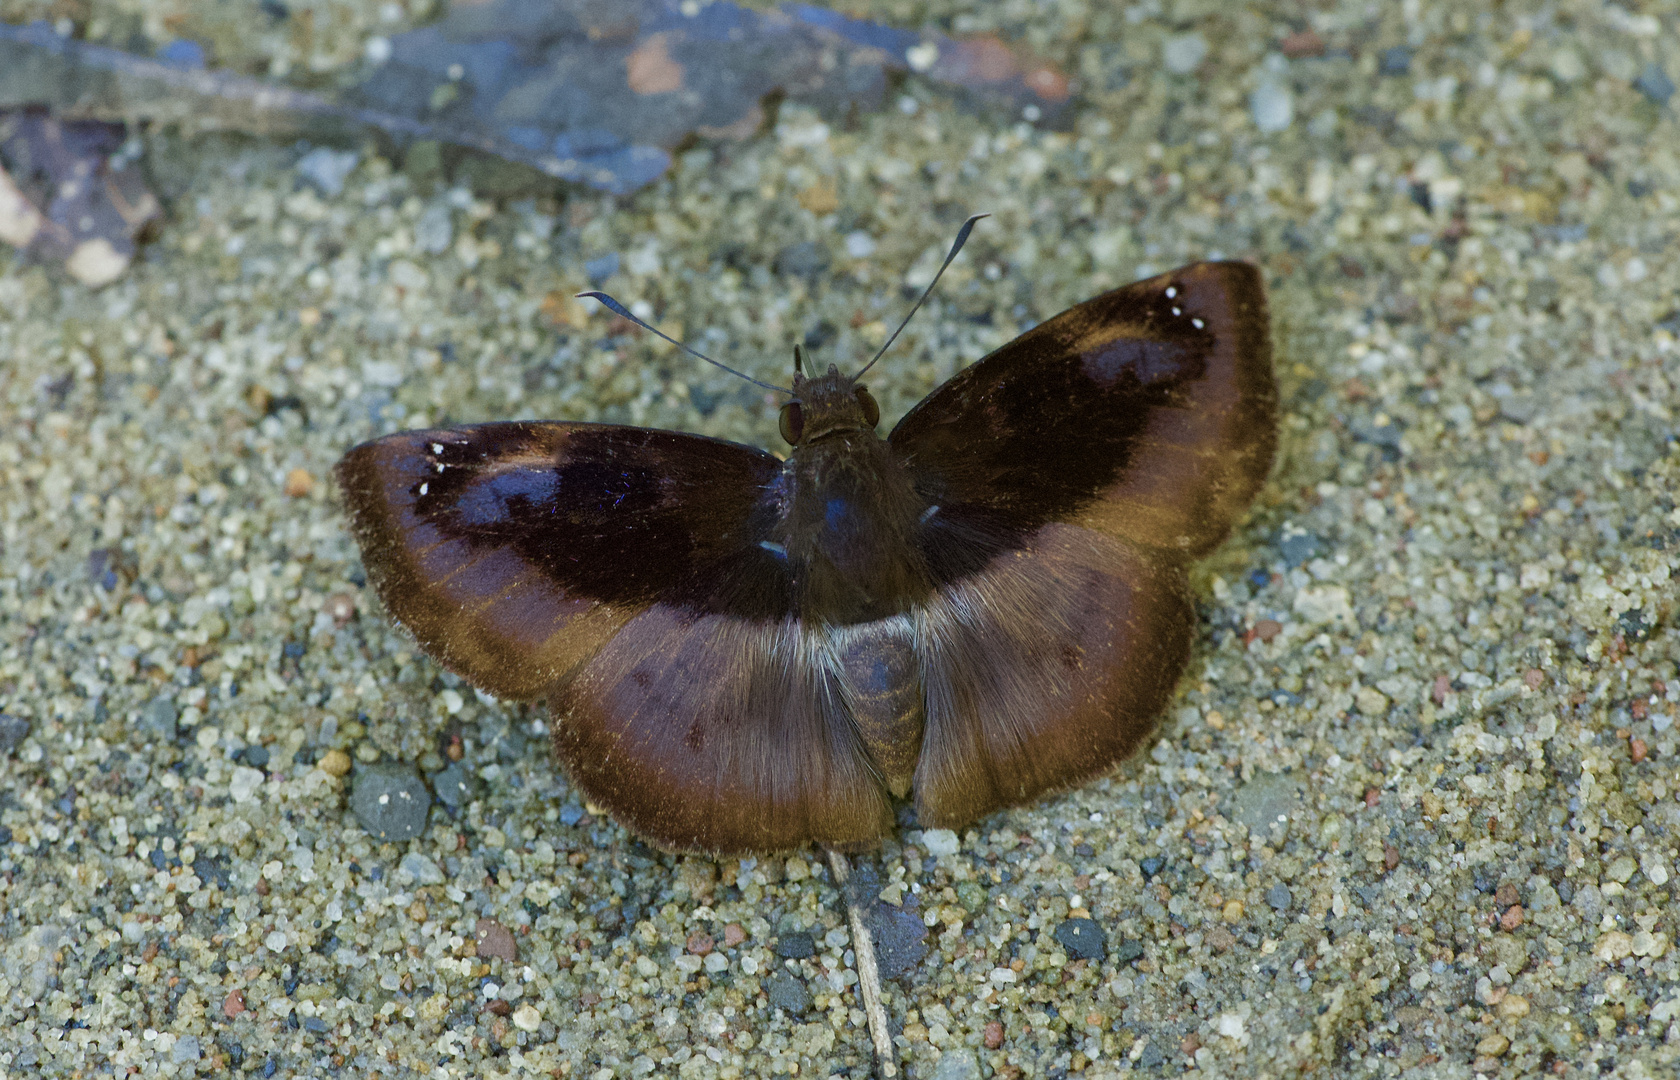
<point>793,423</point>
<point>871,411</point>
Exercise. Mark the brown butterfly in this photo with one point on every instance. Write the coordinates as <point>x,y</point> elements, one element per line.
<point>743,653</point>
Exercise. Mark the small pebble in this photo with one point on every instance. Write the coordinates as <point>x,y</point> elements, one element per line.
<point>1083,939</point>
<point>1512,1007</point>
<point>494,939</point>
<point>1493,1046</point>
<point>420,869</point>
<point>299,483</point>
<point>1272,106</point>
<point>733,935</point>
<point>340,608</point>
<point>527,1018</point>
<point>13,730</point>
<point>334,763</point>
<point>244,784</point>
<point>391,802</point>
<point>940,842</point>
<point>161,718</point>
<point>956,1064</point>
<point>1278,897</point>
<point>328,169</point>
<point>993,1034</point>
<point>1301,43</point>
<point>788,993</point>
<point>453,787</point>
<point>795,946</point>
<point>1183,53</point>
<point>233,1004</point>
<point>1654,83</point>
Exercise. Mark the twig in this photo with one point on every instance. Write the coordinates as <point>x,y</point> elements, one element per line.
<point>869,978</point>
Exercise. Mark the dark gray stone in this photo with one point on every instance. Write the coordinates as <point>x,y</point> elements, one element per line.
<point>601,267</point>
<point>161,718</point>
<point>795,946</point>
<point>1655,84</point>
<point>1279,897</point>
<point>899,940</point>
<point>1298,546</point>
<point>1264,799</point>
<point>453,786</point>
<point>788,993</point>
<point>390,801</point>
<point>805,259</point>
<point>1083,939</point>
<point>13,730</point>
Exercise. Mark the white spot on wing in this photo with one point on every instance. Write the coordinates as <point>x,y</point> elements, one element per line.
<point>1197,323</point>
<point>1172,291</point>
<point>437,448</point>
<point>424,488</point>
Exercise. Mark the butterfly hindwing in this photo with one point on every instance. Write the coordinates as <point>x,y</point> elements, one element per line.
<point>1044,669</point>
<point>724,734</point>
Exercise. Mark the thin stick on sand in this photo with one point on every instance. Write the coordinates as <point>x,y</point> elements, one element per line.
<point>869,979</point>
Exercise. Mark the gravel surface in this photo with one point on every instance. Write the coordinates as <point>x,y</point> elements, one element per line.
<point>1414,810</point>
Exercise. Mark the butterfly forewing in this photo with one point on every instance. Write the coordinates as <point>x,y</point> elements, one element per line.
<point>1148,412</point>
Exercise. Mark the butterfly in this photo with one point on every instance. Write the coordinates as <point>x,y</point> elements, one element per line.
<point>745,653</point>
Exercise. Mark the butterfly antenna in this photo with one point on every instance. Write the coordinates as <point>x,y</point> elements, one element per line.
<point>962,238</point>
<point>622,312</point>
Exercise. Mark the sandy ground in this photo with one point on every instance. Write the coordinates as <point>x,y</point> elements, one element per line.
<point>1413,811</point>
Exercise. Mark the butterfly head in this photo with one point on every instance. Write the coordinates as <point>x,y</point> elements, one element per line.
<point>826,405</point>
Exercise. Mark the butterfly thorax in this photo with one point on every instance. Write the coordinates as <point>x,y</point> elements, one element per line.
<point>852,514</point>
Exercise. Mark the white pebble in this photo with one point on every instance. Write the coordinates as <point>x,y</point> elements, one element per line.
<point>1183,53</point>
<point>243,787</point>
<point>1272,106</point>
<point>859,244</point>
<point>940,842</point>
<point>527,1018</point>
